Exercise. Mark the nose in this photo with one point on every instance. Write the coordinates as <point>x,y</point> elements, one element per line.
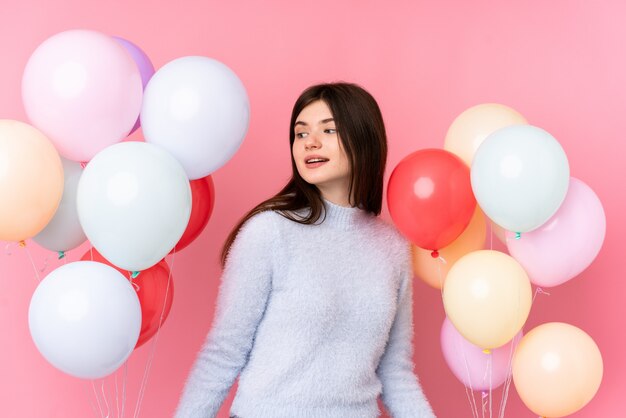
<point>311,141</point>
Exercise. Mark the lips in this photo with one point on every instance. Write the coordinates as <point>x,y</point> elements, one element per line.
<point>316,159</point>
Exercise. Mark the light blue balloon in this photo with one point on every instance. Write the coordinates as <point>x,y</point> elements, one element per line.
<point>520,177</point>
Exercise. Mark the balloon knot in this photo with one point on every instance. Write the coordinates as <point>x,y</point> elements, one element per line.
<point>518,235</point>
<point>487,351</point>
<point>435,254</point>
<point>134,274</point>
<point>83,164</point>
<point>22,243</point>
<point>61,254</point>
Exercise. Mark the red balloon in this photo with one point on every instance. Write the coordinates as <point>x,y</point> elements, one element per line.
<point>151,286</point>
<point>202,202</point>
<point>430,198</point>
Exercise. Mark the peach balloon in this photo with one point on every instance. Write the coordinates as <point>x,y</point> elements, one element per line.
<point>487,296</point>
<point>433,271</point>
<point>557,369</point>
<point>31,180</point>
<point>471,127</point>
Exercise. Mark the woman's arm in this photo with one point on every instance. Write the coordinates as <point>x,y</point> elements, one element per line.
<point>402,393</point>
<point>241,302</point>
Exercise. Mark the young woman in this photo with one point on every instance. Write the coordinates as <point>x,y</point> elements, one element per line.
<point>314,311</point>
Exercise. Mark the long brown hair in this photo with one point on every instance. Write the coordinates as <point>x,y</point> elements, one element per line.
<point>362,133</point>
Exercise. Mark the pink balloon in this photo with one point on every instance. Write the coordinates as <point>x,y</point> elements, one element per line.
<point>470,364</point>
<point>83,91</point>
<point>567,243</point>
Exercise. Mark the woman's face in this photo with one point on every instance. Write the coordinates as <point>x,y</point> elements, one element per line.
<point>316,136</point>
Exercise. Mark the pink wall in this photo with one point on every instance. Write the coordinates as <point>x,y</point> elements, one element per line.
<point>560,63</point>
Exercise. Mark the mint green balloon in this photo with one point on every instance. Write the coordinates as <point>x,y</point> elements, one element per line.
<point>520,177</point>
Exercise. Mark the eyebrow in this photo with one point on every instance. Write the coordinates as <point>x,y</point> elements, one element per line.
<point>320,122</point>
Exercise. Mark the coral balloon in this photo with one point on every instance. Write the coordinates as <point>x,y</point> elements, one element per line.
<point>487,296</point>
<point>568,243</point>
<point>430,198</point>
<point>202,203</point>
<point>31,180</point>
<point>433,271</point>
<point>476,369</point>
<point>154,293</point>
<point>557,369</point>
<point>83,90</point>
<point>471,127</point>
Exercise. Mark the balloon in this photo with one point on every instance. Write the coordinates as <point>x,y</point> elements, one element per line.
<point>430,198</point>
<point>64,232</point>
<point>83,90</point>
<point>471,127</point>
<point>471,365</point>
<point>557,369</point>
<point>84,318</point>
<point>520,176</point>
<point>31,180</point>
<point>487,296</point>
<point>563,247</point>
<point>151,287</point>
<point>146,69</point>
<point>433,271</point>
<point>197,109</point>
<point>202,201</point>
<point>134,203</point>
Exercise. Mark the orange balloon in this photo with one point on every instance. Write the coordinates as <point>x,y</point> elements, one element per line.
<point>432,270</point>
<point>471,127</point>
<point>31,180</point>
<point>557,369</point>
<point>487,296</point>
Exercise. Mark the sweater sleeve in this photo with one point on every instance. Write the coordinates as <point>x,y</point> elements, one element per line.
<point>402,394</point>
<point>241,302</point>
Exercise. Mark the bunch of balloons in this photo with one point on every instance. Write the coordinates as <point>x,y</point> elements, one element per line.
<point>497,168</point>
<point>73,174</point>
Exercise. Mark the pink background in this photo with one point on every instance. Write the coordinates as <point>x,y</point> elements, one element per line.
<point>561,63</point>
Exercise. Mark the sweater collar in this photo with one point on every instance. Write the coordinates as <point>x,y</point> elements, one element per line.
<point>341,216</point>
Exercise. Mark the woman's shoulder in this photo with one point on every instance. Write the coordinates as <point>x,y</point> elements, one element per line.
<point>387,231</point>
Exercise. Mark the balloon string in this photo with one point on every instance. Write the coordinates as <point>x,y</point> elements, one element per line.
<point>154,342</point>
<point>93,407</point>
<point>507,381</point>
<point>104,396</point>
<point>117,397</point>
<point>490,386</point>
<point>124,387</point>
<point>93,387</point>
<point>468,391</point>
<point>539,290</point>
<point>30,257</point>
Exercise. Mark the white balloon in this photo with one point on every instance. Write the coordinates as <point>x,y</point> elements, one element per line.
<point>134,203</point>
<point>85,319</point>
<point>520,177</point>
<point>64,232</point>
<point>197,109</point>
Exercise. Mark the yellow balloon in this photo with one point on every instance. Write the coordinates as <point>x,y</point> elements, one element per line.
<point>487,296</point>
<point>432,270</point>
<point>471,127</point>
<point>557,369</point>
<point>31,180</point>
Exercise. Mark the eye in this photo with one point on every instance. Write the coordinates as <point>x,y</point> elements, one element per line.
<point>330,131</point>
<point>300,134</point>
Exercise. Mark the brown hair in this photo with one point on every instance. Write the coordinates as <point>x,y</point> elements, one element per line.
<point>362,133</point>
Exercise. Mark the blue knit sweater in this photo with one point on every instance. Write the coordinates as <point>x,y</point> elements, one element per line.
<point>315,319</point>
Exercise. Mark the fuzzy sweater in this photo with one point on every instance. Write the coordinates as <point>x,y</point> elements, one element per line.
<point>315,319</point>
